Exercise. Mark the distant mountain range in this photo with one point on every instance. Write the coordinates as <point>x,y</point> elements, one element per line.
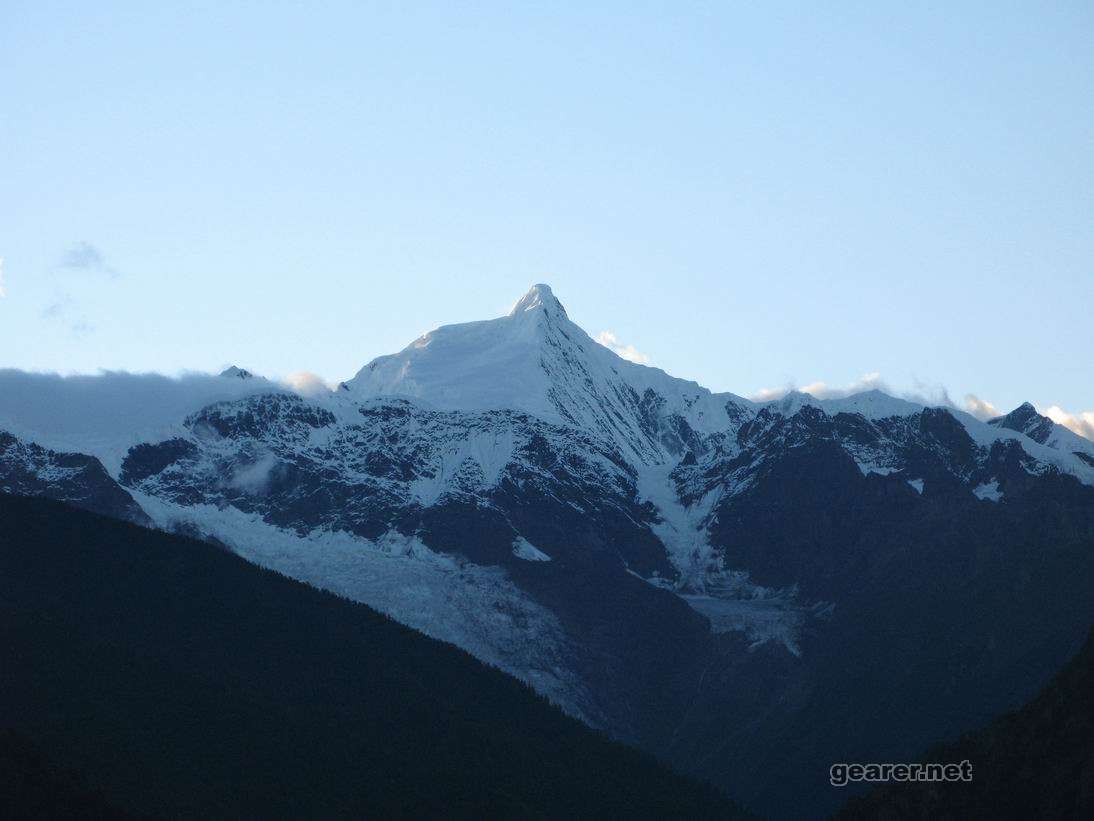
<point>748,590</point>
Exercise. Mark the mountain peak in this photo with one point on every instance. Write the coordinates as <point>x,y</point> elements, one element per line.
<point>539,296</point>
<point>1025,419</point>
<point>1022,414</point>
<point>536,360</point>
<point>233,372</point>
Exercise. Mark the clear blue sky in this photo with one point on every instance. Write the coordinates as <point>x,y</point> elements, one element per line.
<point>750,195</point>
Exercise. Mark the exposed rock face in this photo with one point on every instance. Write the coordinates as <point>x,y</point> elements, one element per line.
<point>29,470</point>
<point>1026,420</point>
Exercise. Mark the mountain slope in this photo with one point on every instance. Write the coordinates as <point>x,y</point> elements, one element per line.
<point>183,681</point>
<point>948,611</point>
<point>30,470</point>
<point>32,787</point>
<point>1037,762</point>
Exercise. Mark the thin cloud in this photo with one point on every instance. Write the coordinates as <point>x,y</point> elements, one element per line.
<point>929,394</point>
<point>769,394</point>
<point>255,477</point>
<point>57,308</point>
<point>306,383</point>
<point>982,409</point>
<point>868,382</point>
<point>1081,423</point>
<point>62,310</point>
<point>81,328</point>
<point>86,260</point>
<point>83,256</point>
<point>610,341</point>
<point>822,390</point>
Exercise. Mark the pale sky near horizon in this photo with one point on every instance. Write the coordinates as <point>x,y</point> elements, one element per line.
<point>750,196</point>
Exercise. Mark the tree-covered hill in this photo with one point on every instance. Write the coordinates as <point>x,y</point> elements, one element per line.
<point>1036,762</point>
<point>179,680</point>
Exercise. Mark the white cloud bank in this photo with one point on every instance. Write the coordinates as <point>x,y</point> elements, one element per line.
<point>610,341</point>
<point>107,413</point>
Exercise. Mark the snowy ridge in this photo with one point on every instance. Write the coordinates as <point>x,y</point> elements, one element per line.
<point>1027,421</point>
<point>871,404</point>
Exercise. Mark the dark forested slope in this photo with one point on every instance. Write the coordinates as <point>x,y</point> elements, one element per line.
<point>179,680</point>
<point>1037,762</point>
<point>31,786</point>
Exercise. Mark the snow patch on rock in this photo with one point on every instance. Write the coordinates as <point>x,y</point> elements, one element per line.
<point>524,549</point>
<point>988,490</point>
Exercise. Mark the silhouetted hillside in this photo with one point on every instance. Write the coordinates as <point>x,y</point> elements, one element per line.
<point>179,680</point>
<point>32,787</point>
<point>1037,762</point>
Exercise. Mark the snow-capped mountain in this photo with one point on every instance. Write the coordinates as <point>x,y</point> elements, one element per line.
<point>536,360</point>
<point>664,562</point>
<point>1026,420</point>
